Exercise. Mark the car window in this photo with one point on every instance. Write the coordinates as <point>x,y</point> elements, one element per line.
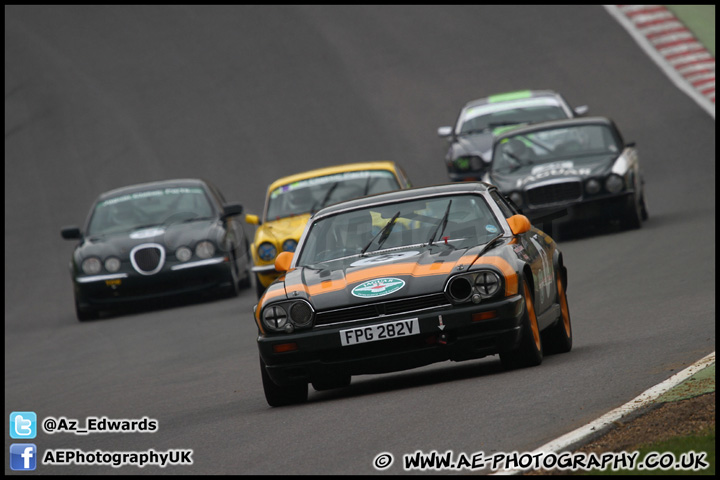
<point>149,208</point>
<point>496,115</point>
<point>548,146</point>
<point>310,195</point>
<point>459,221</point>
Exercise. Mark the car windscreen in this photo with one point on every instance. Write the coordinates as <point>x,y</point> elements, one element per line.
<point>489,117</point>
<point>553,144</point>
<point>458,221</point>
<point>149,208</point>
<point>312,194</point>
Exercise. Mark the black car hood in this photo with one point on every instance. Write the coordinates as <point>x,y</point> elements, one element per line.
<point>526,176</point>
<point>479,144</point>
<point>358,280</point>
<point>170,236</point>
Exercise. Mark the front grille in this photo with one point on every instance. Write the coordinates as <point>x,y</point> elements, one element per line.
<point>393,307</point>
<point>554,193</point>
<point>147,259</point>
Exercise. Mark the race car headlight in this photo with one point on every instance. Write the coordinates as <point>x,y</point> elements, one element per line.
<point>183,254</point>
<point>614,183</point>
<point>205,249</point>
<point>592,186</point>
<point>487,283</point>
<point>287,315</point>
<point>475,286</point>
<point>266,251</point>
<point>517,199</point>
<point>289,245</point>
<point>275,317</point>
<point>112,264</point>
<point>91,266</point>
<point>301,314</point>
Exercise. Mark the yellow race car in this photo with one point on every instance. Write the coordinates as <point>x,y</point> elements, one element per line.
<point>293,199</point>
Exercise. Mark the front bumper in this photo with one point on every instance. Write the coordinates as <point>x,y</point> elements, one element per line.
<point>106,291</point>
<point>318,352</point>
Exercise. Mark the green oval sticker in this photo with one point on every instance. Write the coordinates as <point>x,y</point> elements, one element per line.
<point>378,287</point>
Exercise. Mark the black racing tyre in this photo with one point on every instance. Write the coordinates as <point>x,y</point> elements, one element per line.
<point>279,396</point>
<point>558,338</point>
<point>234,288</point>
<point>85,314</point>
<point>247,281</point>
<point>529,352</point>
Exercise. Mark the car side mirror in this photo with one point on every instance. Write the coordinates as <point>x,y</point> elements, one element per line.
<point>630,144</point>
<point>581,110</point>
<point>252,219</point>
<point>283,261</point>
<point>519,224</point>
<point>231,209</point>
<point>444,131</point>
<point>71,233</point>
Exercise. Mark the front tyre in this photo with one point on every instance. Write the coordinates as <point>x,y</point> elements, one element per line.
<point>530,351</point>
<point>279,396</point>
<point>85,314</point>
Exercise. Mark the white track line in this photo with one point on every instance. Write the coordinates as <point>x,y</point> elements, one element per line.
<point>562,443</point>
<point>643,22</point>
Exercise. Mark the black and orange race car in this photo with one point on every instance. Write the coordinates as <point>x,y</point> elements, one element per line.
<point>408,278</point>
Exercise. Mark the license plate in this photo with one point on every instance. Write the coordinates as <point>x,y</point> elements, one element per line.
<point>382,331</point>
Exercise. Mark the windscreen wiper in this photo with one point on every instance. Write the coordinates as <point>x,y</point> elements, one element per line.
<point>443,223</point>
<point>384,233</point>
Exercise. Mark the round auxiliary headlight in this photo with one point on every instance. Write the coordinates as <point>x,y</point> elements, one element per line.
<point>112,264</point>
<point>614,183</point>
<point>91,266</point>
<point>592,186</point>
<point>301,313</point>
<point>266,251</point>
<point>289,245</point>
<point>487,283</point>
<point>274,317</point>
<point>517,199</point>
<point>205,249</point>
<point>183,254</point>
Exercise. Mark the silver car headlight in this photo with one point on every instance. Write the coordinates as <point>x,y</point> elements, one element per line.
<point>205,249</point>
<point>274,317</point>
<point>91,266</point>
<point>592,186</point>
<point>183,254</point>
<point>614,183</point>
<point>487,283</point>
<point>112,264</point>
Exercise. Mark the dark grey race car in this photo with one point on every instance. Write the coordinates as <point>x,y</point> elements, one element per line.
<point>154,240</point>
<point>583,166</point>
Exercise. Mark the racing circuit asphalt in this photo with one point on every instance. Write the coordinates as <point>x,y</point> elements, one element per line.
<point>98,97</point>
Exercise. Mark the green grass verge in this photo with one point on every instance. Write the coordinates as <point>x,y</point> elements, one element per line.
<point>673,451</point>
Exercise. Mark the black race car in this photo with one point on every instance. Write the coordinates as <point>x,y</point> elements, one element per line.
<point>404,279</point>
<point>471,139</point>
<point>154,240</point>
<point>580,167</point>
